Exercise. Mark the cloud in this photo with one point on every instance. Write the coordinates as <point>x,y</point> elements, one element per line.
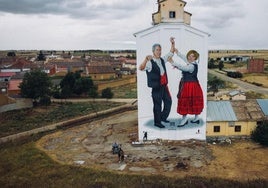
<point>110,24</point>
<point>75,9</point>
<point>217,14</point>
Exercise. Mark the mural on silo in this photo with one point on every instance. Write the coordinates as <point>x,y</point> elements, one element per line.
<point>172,76</point>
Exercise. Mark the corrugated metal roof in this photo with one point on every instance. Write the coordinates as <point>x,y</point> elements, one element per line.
<point>220,111</point>
<point>264,105</point>
<point>236,92</point>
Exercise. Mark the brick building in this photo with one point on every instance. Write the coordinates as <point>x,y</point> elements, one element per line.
<point>255,65</point>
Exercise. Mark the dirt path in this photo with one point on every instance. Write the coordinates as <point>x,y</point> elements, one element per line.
<point>89,145</point>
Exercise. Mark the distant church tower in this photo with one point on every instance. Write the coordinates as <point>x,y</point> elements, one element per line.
<point>170,20</point>
<point>171,11</point>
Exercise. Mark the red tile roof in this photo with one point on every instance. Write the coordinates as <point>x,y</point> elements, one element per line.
<point>7,74</point>
<point>100,69</point>
<point>14,85</point>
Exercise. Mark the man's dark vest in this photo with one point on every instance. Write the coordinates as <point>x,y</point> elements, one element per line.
<point>186,76</point>
<point>153,77</point>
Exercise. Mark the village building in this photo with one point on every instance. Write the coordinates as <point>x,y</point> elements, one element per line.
<point>4,93</point>
<point>117,54</point>
<point>220,119</point>
<point>255,65</point>
<point>101,72</point>
<point>231,95</point>
<point>130,63</point>
<point>235,118</point>
<point>62,67</point>
<point>15,65</point>
<point>235,58</point>
<point>6,76</point>
<point>14,83</point>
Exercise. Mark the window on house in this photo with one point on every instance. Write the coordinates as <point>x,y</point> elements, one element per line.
<point>238,128</point>
<point>217,129</point>
<point>172,14</point>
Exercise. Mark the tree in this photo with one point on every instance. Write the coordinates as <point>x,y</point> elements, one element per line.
<point>107,93</point>
<point>211,64</point>
<point>93,92</point>
<point>67,85</point>
<point>56,92</point>
<point>83,85</point>
<point>221,65</point>
<point>260,134</point>
<point>41,56</point>
<point>36,85</point>
<point>234,74</point>
<point>11,54</point>
<point>45,100</point>
<point>73,83</point>
<point>66,92</point>
<point>214,84</point>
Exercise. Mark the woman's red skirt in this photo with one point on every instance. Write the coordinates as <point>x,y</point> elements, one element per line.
<point>190,98</point>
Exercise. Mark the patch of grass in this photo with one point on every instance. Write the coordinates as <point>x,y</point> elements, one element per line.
<point>23,120</point>
<point>23,165</point>
<point>253,95</point>
<point>126,91</point>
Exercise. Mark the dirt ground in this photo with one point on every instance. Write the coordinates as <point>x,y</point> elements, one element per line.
<point>89,145</point>
<point>261,79</point>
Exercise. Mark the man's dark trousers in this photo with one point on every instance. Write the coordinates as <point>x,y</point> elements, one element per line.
<point>159,95</point>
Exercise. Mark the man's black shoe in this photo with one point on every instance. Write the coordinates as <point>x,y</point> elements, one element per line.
<point>165,121</point>
<point>159,125</point>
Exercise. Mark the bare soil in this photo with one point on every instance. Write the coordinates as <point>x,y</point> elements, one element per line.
<point>90,145</point>
<point>257,78</point>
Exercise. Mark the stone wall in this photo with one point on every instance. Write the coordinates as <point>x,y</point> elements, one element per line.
<point>19,104</point>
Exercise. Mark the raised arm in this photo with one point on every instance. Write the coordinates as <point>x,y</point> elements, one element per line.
<point>182,56</point>
<point>186,67</point>
<point>172,41</point>
<point>172,49</point>
<point>144,63</point>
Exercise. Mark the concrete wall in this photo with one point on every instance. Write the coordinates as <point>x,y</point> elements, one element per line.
<point>172,5</point>
<point>227,130</point>
<point>19,104</point>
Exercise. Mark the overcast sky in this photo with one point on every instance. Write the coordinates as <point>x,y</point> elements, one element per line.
<point>110,24</point>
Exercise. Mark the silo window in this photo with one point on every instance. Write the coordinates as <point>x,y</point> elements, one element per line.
<point>172,14</point>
